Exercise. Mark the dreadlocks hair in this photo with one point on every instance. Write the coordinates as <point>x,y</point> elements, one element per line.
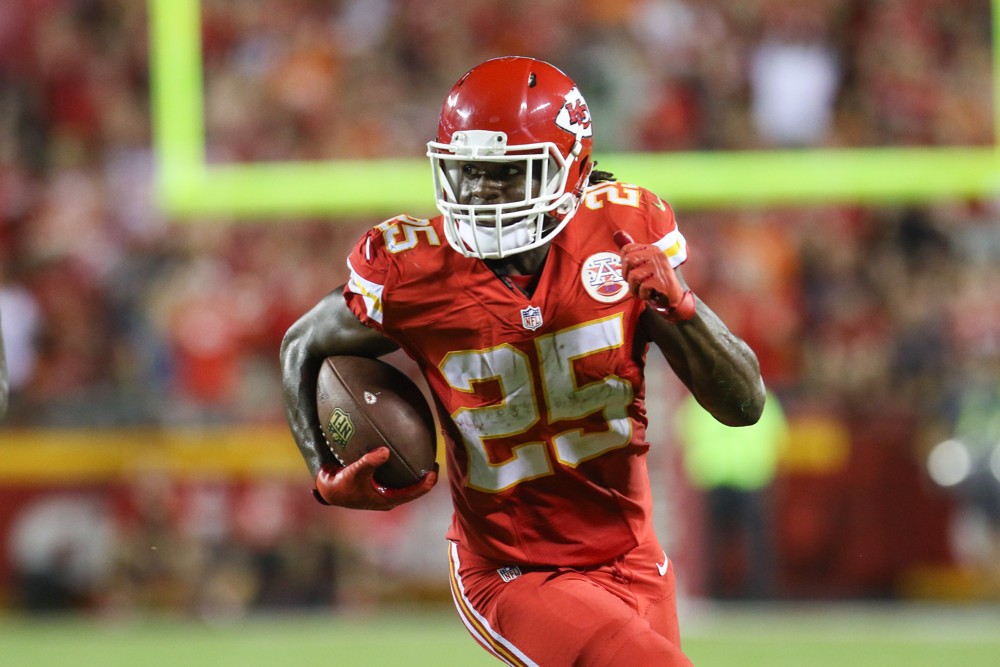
<point>597,176</point>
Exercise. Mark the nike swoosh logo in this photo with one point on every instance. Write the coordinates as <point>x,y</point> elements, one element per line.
<point>659,204</point>
<point>664,566</point>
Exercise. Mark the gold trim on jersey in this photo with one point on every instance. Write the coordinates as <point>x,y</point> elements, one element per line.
<point>370,292</point>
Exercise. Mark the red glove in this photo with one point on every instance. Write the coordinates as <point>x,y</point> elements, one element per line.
<point>355,487</point>
<point>651,278</point>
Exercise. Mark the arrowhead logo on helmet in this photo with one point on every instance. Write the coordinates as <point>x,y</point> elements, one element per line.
<point>575,115</point>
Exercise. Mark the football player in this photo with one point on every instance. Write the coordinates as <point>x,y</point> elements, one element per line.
<point>529,304</point>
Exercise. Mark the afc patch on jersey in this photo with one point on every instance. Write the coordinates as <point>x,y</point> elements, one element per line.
<point>509,573</point>
<point>531,317</point>
<point>602,277</point>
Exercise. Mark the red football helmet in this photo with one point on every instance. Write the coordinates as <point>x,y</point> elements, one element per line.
<point>512,109</point>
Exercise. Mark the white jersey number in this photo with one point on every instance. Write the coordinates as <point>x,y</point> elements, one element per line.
<point>518,409</point>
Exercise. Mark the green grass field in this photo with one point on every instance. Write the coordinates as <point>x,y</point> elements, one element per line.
<point>813,636</point>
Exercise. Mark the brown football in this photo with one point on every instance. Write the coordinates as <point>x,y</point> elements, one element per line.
<point>365,404</point>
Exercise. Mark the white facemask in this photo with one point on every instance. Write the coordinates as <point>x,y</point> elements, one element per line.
<point>483,240</point>
<point>509,228</point>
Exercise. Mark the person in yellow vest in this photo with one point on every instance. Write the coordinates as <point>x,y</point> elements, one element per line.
<point>734,468</point>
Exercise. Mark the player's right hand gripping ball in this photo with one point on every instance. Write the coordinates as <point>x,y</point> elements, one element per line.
<point>380,428</point>
<point>650,277</point>
<point>354,486</point>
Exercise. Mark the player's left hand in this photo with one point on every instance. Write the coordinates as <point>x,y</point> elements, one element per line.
<point>650,277</point>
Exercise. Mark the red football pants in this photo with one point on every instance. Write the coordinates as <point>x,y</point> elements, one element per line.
<point>621,613</point>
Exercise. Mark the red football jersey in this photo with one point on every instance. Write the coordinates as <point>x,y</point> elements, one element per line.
<point>541,397</point>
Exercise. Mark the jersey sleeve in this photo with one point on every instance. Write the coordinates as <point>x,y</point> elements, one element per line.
<point>369,265</point>
<point>662,228</point>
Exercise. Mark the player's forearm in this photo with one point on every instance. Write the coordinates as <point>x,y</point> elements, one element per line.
<point>329,328</point>
<point>717,366</point>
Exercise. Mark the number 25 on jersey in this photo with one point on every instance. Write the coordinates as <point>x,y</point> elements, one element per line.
<point>519,409</point>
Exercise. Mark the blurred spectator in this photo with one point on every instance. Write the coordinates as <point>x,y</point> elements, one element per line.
<point>19,330</point>
<point>734,469</point>
<point>4,385</point>
<point>794,75</point>
<point>977,428</point>
<point>61,548</point>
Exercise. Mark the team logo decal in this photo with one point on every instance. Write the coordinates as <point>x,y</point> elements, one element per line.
<point>602,277</point>
<point>531,317</point>
<point>574,116</point>
<point>340,428</point>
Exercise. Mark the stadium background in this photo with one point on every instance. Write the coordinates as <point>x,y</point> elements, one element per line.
<point>145,465</point>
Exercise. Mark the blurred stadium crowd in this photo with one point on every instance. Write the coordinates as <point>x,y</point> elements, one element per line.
<point>879,327</point>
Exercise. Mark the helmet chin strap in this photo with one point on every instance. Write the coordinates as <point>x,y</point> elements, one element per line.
<point>513,237</point>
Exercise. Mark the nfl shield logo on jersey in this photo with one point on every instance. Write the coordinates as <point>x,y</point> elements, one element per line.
<point>531,317</point>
